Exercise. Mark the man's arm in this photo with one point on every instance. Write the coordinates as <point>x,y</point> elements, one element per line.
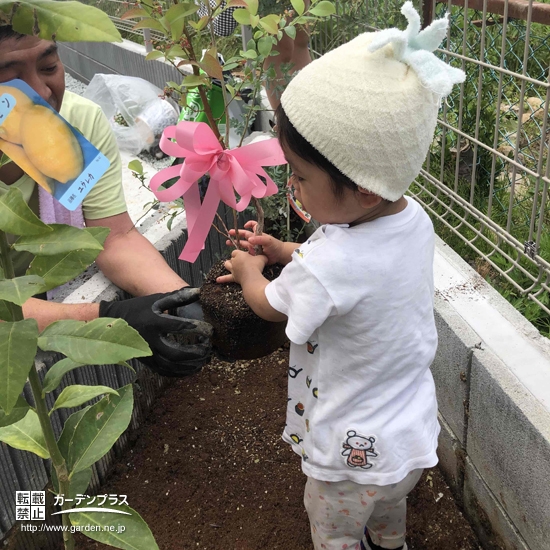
<point>131,262</point>
<point>46,313</point>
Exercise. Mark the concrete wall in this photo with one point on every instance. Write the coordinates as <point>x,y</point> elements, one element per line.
<point>85,59</point>
<point>492,372</point>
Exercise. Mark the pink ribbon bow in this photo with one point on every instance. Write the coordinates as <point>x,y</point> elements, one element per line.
<point>230,170</point>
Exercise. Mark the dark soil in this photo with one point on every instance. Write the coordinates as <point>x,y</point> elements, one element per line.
<point>209,470</point>
<point>238,332</point>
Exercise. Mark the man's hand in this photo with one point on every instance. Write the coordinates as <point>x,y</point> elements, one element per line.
<point>147,315</point>
<point>241,265</point>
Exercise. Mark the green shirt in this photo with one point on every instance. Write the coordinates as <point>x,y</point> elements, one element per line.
<point>107,196</point>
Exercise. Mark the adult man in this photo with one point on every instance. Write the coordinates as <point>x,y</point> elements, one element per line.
<point>128,259</point>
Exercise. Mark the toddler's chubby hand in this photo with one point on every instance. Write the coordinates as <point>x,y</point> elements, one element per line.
<point>240,265</point>
<point>272,247</point>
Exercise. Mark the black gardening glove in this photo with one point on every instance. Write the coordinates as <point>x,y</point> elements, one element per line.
<point>146,315</point>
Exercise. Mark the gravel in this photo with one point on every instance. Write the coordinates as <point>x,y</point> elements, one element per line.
<point>74,85</point>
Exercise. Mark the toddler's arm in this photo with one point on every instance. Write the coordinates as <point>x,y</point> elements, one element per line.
<point>246,270</point>
<point>277,252</point>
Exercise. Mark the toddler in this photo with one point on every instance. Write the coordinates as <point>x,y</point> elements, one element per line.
<point>355,126</point>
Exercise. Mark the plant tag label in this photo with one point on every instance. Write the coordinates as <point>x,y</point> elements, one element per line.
<point>7,103</point>
<point>46,147</point>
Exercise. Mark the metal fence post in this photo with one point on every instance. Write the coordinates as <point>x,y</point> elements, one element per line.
<point>147,40</point>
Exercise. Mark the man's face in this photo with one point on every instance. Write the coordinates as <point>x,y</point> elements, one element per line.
<point>36,62</point>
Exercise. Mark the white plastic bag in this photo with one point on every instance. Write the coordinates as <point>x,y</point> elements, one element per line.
<point>137,101</point>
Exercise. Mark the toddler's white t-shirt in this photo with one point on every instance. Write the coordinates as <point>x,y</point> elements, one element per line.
<point>359,301</point>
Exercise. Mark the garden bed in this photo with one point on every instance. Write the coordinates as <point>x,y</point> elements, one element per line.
<point>208,470</point>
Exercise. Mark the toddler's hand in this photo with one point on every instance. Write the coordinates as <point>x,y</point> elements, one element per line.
<point>240,265</point>
<point>272,247</point>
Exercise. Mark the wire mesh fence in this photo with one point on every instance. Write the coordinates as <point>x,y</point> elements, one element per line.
<point>485,180</point>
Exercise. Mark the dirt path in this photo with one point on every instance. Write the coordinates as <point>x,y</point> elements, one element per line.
<point>209,470</point>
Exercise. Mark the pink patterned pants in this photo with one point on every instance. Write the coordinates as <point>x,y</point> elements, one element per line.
<point>338,512</point>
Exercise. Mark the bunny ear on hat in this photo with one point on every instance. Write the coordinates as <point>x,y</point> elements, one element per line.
<point>414,48</point>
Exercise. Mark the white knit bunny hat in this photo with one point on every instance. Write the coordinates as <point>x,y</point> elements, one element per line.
<point>370,106</point>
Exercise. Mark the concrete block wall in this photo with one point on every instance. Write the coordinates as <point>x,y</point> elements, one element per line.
<point>492,373</point>
<point>85,59</point>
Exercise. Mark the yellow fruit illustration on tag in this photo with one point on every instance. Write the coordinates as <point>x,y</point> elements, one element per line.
<point>10,129</point>
<point>50,144</point>
<point>17,155</point>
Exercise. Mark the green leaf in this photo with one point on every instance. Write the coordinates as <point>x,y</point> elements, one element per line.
<point>60,21</point>
<point>211,66</point>
<point>105,526</point>
<point>19,290</point>
<point>17,218</point>
<point>65,439</point>
<point>100,426</point>
<point>26,435</point>
<point>254,20</point>
<point>252,6</point>
<point>6,311</point>
<point>17,413</point>
<point>76,395</point>
<point>176,29</point>
<point>200,24</point>
<point>264,45</point>
<point>298,6</point>
<point>99,233</point>
<point>102,341</point>
<point>150,23</point>
<point>60,268</point>
<point>63,238</point>
<point>172,84</point>
<point>323,8</point>
<point>291,31</point>
<point>77,480</point>
<point>135,13</point>
<point>176,51</point>
<point>17,351</point>
<point>270,23</point>
<point>57,372</point>
<point>127,365</point>
<point>155,54</point>
<point>242,16</point>
<point>135,166</point>
<point>193,81</point>
<point>249,54</point>
<point>179,11</point>
<point>78,483</point>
